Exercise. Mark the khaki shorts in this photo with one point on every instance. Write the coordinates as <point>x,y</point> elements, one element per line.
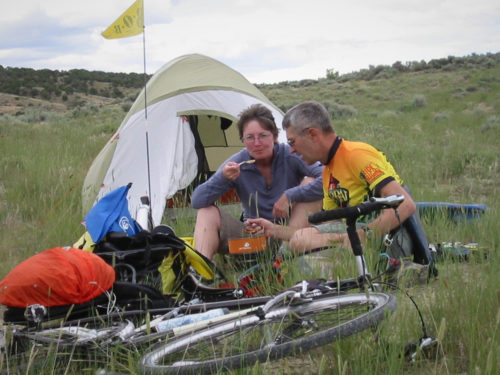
<point>335,227</point>
<point>401,247</point>
<point>230,228</point>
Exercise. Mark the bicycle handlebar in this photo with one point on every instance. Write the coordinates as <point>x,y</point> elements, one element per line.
<point>364,208</point>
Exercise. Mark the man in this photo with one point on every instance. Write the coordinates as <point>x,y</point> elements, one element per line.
<point>353,172</point>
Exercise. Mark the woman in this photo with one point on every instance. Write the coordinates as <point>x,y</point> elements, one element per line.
<point>273,184</point>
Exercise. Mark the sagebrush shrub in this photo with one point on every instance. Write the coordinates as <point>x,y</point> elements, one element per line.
<point>337,110</point>
<point>441,116</point>
<point>419,101</point>
<point>492,122</point>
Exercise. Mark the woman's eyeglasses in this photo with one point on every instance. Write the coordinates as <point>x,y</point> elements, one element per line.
<point>251,138</point>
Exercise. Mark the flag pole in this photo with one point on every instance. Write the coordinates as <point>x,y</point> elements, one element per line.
<point>144,63</point>
<point>130,23</point>
<point>150,219</point>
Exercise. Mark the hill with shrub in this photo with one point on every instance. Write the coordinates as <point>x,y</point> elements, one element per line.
<point>25,89</point>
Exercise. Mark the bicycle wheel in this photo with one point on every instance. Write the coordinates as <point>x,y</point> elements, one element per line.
<point>281,332</point>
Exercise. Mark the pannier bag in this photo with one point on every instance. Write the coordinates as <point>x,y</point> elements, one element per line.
<point>151,255</point>
<point>56,277</point>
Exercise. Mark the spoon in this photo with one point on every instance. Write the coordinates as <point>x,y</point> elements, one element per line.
<point>247,162</point>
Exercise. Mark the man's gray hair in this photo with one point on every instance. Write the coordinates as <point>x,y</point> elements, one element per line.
<point>308,115</point>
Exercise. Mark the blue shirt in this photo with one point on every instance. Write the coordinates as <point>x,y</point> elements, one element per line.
<point>257,199</point>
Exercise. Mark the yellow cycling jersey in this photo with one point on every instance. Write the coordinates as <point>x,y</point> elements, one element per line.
<point>353,173</point>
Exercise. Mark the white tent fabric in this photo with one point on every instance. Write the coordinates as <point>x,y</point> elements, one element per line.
<point>173,161</point>
<point>172,156</point>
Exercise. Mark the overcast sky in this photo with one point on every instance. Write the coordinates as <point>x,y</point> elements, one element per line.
<point>265,40</point>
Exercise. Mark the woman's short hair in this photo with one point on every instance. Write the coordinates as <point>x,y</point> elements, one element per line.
<point>262,115</point>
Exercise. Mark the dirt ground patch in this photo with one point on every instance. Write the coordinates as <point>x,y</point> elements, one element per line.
<point>15,104</point>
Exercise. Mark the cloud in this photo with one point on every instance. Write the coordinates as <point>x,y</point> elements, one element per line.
<point>269,41</point>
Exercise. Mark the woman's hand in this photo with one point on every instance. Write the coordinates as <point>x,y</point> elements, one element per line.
<point>231,171</point>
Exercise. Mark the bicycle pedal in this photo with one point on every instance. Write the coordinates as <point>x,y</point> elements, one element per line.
<point>388,240</point>
<point>425,347</point>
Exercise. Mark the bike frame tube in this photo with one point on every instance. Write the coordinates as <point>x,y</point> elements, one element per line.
<point>357,248</point>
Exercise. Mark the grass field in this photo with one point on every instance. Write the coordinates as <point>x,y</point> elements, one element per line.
<point>441,130</point>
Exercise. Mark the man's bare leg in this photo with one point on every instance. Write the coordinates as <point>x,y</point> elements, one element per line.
<point>310,238</point>
<point>301,211</point>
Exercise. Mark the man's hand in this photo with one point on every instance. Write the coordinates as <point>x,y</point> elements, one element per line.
<point>281,208</point>
<point>260,226</point>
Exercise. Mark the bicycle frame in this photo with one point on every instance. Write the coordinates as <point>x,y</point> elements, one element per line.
<point>357,249</point>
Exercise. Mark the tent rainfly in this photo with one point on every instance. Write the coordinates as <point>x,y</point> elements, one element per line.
<point>193,102</point>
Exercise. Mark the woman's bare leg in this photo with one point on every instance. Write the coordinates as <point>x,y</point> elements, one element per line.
<point>206,231</point>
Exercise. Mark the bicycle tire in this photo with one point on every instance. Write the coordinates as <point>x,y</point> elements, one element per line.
<point>230,345</point>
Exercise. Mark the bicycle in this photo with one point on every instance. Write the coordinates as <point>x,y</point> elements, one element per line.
<point>292,321</point>
<point>297,320</point>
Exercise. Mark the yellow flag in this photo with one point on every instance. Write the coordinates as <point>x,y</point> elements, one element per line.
<point>130,23</point>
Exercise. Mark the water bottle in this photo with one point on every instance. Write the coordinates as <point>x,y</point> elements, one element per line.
<point>170,324</point>
<point>143,214</point>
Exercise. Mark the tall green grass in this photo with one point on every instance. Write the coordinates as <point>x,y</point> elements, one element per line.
<point>42,168</point>
<point>440,130</point>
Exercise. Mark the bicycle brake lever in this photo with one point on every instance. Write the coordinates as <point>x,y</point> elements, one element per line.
<point>389,201</point>
<point>304,286</point>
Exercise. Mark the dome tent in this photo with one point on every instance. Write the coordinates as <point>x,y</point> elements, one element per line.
<point>193,102</point>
